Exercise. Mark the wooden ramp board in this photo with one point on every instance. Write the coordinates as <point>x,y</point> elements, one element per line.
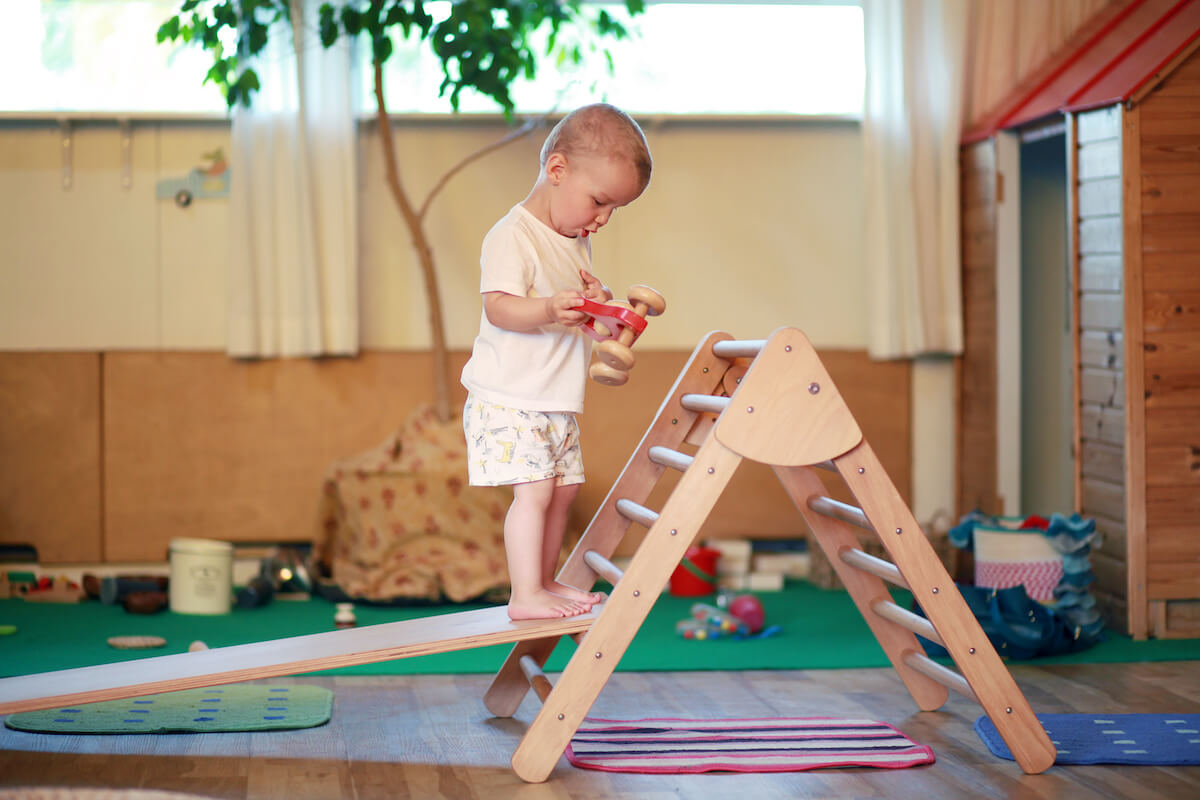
<point>274,658</point>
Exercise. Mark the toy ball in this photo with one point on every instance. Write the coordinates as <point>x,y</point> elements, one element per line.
<point>749,609</point>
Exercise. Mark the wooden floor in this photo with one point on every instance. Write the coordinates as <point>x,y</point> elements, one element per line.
<point>430,737</point>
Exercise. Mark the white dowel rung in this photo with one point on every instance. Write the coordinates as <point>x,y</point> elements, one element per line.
<point>638,513</point>
<point>943,675</point>
<point>710,403</point>
<point>839,510</point>
<point>876,566</point>
<point>537,679</point>
<point>738,348</point>
<point>906,619</point>
<point>603,567</point>
<point>828,466</point>
<point>667,457</point>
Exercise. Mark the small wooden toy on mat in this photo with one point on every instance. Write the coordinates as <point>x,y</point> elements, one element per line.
<point>616,326</point>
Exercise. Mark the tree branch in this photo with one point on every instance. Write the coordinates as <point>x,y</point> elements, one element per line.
<point>529,127</point>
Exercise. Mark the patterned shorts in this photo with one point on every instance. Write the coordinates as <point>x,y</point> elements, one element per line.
<point>509,445</point>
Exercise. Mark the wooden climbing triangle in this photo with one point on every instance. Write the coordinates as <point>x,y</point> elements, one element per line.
<point>782,410</point>
<point>766,400</point>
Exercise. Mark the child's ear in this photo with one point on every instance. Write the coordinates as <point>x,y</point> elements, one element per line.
<point>556,167</point>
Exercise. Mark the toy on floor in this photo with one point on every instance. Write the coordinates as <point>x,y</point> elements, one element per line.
<point>710,622</point>
<point>616,326</point>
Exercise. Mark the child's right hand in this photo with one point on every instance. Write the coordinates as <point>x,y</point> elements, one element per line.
<point>563,308</point>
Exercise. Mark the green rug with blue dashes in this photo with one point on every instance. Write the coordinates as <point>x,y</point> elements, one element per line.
<point>258,707</point>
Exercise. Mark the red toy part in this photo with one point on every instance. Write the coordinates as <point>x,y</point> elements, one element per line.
<point>616,319</point>
<point>749,609</point>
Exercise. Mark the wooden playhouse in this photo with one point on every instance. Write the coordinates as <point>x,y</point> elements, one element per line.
<point>1079,385</point>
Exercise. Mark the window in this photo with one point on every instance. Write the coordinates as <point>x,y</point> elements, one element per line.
<point>701,58</point>
<point>684,58</point>
<point>98,55</point>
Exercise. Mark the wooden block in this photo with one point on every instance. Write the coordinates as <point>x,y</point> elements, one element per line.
<point>764,581</point>
<point>791,565</point>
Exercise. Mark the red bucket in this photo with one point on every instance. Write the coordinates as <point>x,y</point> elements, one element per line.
<point>697,574</point>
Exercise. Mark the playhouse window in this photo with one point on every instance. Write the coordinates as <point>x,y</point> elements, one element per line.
<point>705,57</point>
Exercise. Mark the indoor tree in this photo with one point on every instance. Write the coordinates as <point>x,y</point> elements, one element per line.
<point>482,45</point>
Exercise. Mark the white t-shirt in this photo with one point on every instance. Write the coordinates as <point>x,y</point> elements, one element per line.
<point>543,369</point>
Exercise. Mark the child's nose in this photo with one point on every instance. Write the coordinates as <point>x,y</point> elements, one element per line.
<point>602,217</point>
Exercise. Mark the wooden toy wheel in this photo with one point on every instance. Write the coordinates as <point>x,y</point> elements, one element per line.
<point>654,302</point>
<point>609,376</point>
<point>616,355</point>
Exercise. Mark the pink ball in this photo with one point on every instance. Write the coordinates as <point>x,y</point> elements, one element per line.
<point>749,609</point>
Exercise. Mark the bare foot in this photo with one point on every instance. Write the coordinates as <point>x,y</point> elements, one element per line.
<point>571,593</point>
<point>544,605</point>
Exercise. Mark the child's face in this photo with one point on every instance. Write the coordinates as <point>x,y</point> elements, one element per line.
<point>587,190</point>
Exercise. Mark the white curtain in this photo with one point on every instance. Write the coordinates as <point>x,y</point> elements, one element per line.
<point>293,281</point>
<point>911,129</point>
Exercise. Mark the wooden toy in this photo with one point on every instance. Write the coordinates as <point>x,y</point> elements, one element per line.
<point>785,412</point>
<point>616,328</point>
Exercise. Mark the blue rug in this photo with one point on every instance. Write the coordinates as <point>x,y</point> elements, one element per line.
<point>1160,739</point>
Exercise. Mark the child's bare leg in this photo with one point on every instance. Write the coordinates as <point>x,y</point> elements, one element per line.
<point>556,528</point>
<point>524,530</point>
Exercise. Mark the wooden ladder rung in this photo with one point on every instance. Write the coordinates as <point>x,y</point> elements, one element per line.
<point>943,675</point>
<point>666,457</point>
<point>708,403</point>
<point>638,513</point>
<point>537,679</point>
<point>603,567</point>
<point>906,619</point>
<point>876,566</point>
<point>738,348</point>
<point>839,510</point>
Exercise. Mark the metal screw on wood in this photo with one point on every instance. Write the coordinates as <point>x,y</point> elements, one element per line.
<point>813,388</point>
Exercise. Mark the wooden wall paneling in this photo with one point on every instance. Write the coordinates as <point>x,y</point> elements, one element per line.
<point>1103,424</point>
<point>1111,539</point>
<point>1104,498</point>
<point>1076,287</point>
<point>198,444</point>
<point>1100,272</point>
<point>1102,349</point>
<point>1135,410</point>
<point>1170,271</point>
<point>1100,235</point>
<point>1101,159</point>
<point>1103,461</point>
<point>50,478</point>
<point>1101,311</point>
<point>1098,125</point>
<point>976,476</point>
<point>1100,197</point>
<point>1172,365</point>
<point>1173,309</point>
<point>1102,387</point>
<point>1181,619</point>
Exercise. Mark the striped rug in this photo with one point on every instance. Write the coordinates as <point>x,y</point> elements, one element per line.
<point>741,745</point>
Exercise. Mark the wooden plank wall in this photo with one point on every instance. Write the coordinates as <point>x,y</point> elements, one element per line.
<point>1101,353</point>
<point>50,439</point>
<point>1169,121</point>
<point>107,457</point>
<point>976,373</point>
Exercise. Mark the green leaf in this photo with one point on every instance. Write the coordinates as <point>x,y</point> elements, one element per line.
<point>168,30</point>
<point>327,25</point>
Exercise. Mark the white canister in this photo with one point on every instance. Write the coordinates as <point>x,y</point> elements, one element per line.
<point>201,576</point>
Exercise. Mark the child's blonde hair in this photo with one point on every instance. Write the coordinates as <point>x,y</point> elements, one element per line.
<point>604,130</point>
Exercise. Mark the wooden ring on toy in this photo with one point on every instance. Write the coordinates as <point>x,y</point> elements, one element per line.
<point>609,376</point>
<point>615,354</point>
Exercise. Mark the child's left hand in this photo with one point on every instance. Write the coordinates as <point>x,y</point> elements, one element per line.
<point>593,289</point>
